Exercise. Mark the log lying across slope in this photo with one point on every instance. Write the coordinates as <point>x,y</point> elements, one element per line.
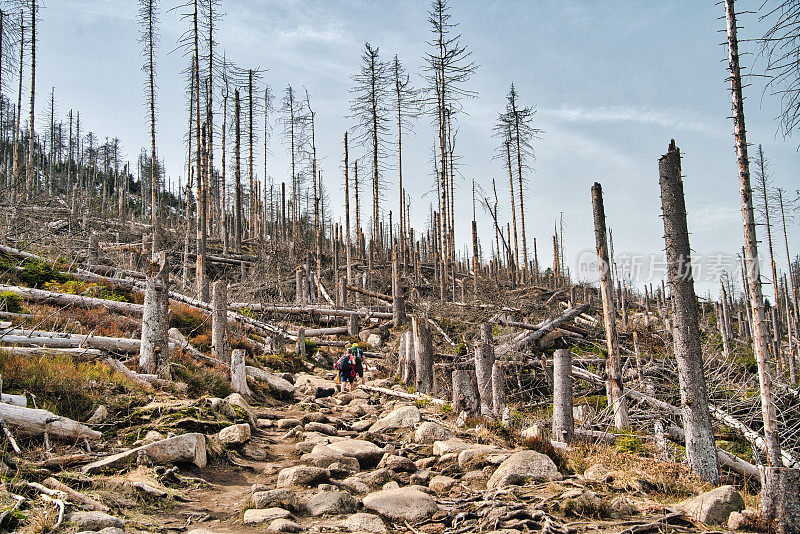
<point>35,422</point>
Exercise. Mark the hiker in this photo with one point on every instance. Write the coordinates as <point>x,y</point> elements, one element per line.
<point>350,365</point>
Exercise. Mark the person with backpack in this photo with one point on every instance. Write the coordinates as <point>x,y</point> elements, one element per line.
<point>350,365</point>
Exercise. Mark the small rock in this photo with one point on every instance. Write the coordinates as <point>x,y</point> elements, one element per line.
<point>237,401</point>
<point>398,464</point>
<point>99,416</point>
<point>286,498</point>
<point>522,467</point>
<point>362,522</point>
<point>451,446</point>
<point>403,417</point>
<point>235,435</point>
<point>367,453</point>
<point>536,431</point>
<point>332,503</point>
<point>288,423</point>
<point>301,476</point>
<point>265,423</point>
<point>392,484</point>
<point>95,521</point>
<point>713,506</point>
<point>623,507</point>
<point>421,477</point>
<point>107,530</point>
<point>278,386</point>
<point>374,341</point>
<point>314,417</point>
<point>442,484</point>
<point>324,456</point>
<point>481,456</point>
<point>254,451</point>
<point>361,426</point>
<point>736,521</point>
<point>428,432</point>
<point>597,472</point>
<point>376,478</point>
<point>184,448</point>
<point>266,515</point>
<point>353,485</point>
<point>283,525</point>
<point>322,428</point>
<point>402,504</point>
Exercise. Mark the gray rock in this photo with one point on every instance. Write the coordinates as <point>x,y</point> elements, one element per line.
<point>392,484</point>
<point>450,446</point>
<point>278,386</point>
<point>284,497</point>
<point>107,530</point>
<point>266,515</point>
<point>523,467</point>
<point>354,485</point>
<point>402,504</point>
<point>288,423</point>
<point>399,464</point>
<point>302,475</point>
<point>482,456</point>
<point>95,521</point>
<point>99,416</point>
<point>322,428</point>
<point>714,506</point>
<point>235,435</point>
<point>361,426</point>
<point>403,417</point>
<point>283,525</point>
<point>237,401</point>
<point>374,341</point>
<point>367,453</point>
<point>332,503</point>
<point>184,448</point>
<point>428,432</point>
<point>362,522</point>
<point>324,456</point>
<point>376,478</point>
<point>442,484</point>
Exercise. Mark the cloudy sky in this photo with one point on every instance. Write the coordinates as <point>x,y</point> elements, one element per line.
<point>611,83</point>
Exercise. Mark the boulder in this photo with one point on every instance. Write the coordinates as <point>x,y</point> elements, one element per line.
<point>283,525</point>
<point>353,485</point>
<point>302,475</point>
<point>332,503</point>
<point>403,417</point>
<point>402,504</point>
<point>288,423</point>
<point>184,448</point>
<point>376,478</point>
<point>99,416</point>
<point>523,467</point>
<point>374,341</point>
<point>235,435</point>
<point>265,515</point>
<point>322,428</point>
<point>442,484</point>
<point>367,453</point>
<point>278,386</point>
<point>451,446</point>
<point>360,426</point>
<point>397,463</point>
<point>362,522</point>
<point>237,401</point>
<point>324,456</point>
<point>481,456</point>
<point>306,384</point>
<point>94,521</point>
<point>284,497</point>
<point>713,506</point>
<point>428,432</point>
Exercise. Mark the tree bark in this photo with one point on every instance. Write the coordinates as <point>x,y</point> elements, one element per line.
<point>239,373</point>
<point>498,389</point>
<point>465,391</point>
<point>154,349</point>
<point>700,447</point>
<point>484,362</point>
<point>423,354</point>
<point>614,387</point>
<point>563,425</point>
<point>219,321</point>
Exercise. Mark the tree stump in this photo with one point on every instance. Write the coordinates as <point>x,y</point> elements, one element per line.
<point>465,391</point>
<point>563,424</point>
<point>484,360</point>
<point>239,373</point>
<point>219,321</point>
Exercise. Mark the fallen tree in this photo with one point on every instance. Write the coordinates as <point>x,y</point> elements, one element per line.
<point>35,422</point>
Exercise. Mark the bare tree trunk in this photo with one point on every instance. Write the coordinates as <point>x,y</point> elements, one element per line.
<point>465,391</point>
<point>484,362</point>
<point>498,389</point>
<point>614,385</point>
<point>154,348</point>
<point>563,425</point>
<point>408,375</point>
<point>770,484</point>
<point>423,350</point>
<point>200,268</point>
<point>701,451</point>
<point>219,321</point>
<point>237,173</point>
<point>398,302</point>
<point>239,373</point>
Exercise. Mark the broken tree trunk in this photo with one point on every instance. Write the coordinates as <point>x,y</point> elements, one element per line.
<point>465,391</point>
<point>154,349</point>
<point>700,447</point>
<point>484,361</point>
<point>423,354</point>
<point>219,321</point>
<point>498,389</point>
<point>614,386</point>
<point>239,373</point>
<point>563,425</point>
<point>66,299</point>
<point>31,421</point>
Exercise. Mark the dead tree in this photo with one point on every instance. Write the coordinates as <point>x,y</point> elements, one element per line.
<point>239,373</point>
<point>701,451</point>
<point>148,18</point>
<point>498,389</point>
<point>465,391</point>
<point>154,349</point>
<point>398,302</point>
<point>219,321</point>
<point>563,425</point>
<point>237,172</point>
<point>423,354</point>
<point>484,363</point>
<point>773,480</point>
<point>614,387</point>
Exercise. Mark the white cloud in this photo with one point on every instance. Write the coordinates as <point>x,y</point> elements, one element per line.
<point>305,34</point>
<point>674,119</point>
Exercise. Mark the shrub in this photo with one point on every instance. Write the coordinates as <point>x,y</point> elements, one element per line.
<point>201,380</point>
<point>10,302</point>
<point>188,320</point>
<point>37,273</point>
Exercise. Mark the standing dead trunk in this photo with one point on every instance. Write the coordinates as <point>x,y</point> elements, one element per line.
<point>154,350</point>
<point>465,391</point>
<point>614,387</point>
<point>484,361</point>
<point>239,373</point>
<point>563,425</point>
<point>498,389</point>
<point>219,321</point>
<point>398,302</point>
<point>771,483</point>
<point>408,375</point>
<point>423,354</point>
<point>701,451</point>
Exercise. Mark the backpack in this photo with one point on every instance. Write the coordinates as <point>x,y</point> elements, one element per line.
<point>345,364</point>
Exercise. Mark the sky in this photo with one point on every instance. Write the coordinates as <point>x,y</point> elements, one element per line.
<point>611,83</point>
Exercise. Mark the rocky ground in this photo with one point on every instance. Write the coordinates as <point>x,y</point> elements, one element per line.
<point>368,462</point>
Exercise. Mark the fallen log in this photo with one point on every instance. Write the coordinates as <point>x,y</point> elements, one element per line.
<point>27,351</point>
<point>751,435</point>
<point>734,463</point>
<point>523,340</point>
<point>62,340</point>
<point>67,299</point>
<point>181,342</point>
<point>404,395</point>
<point>314,310</point>
<point>74,496</point>
<point>35,422</point>
<point>369,293</point>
